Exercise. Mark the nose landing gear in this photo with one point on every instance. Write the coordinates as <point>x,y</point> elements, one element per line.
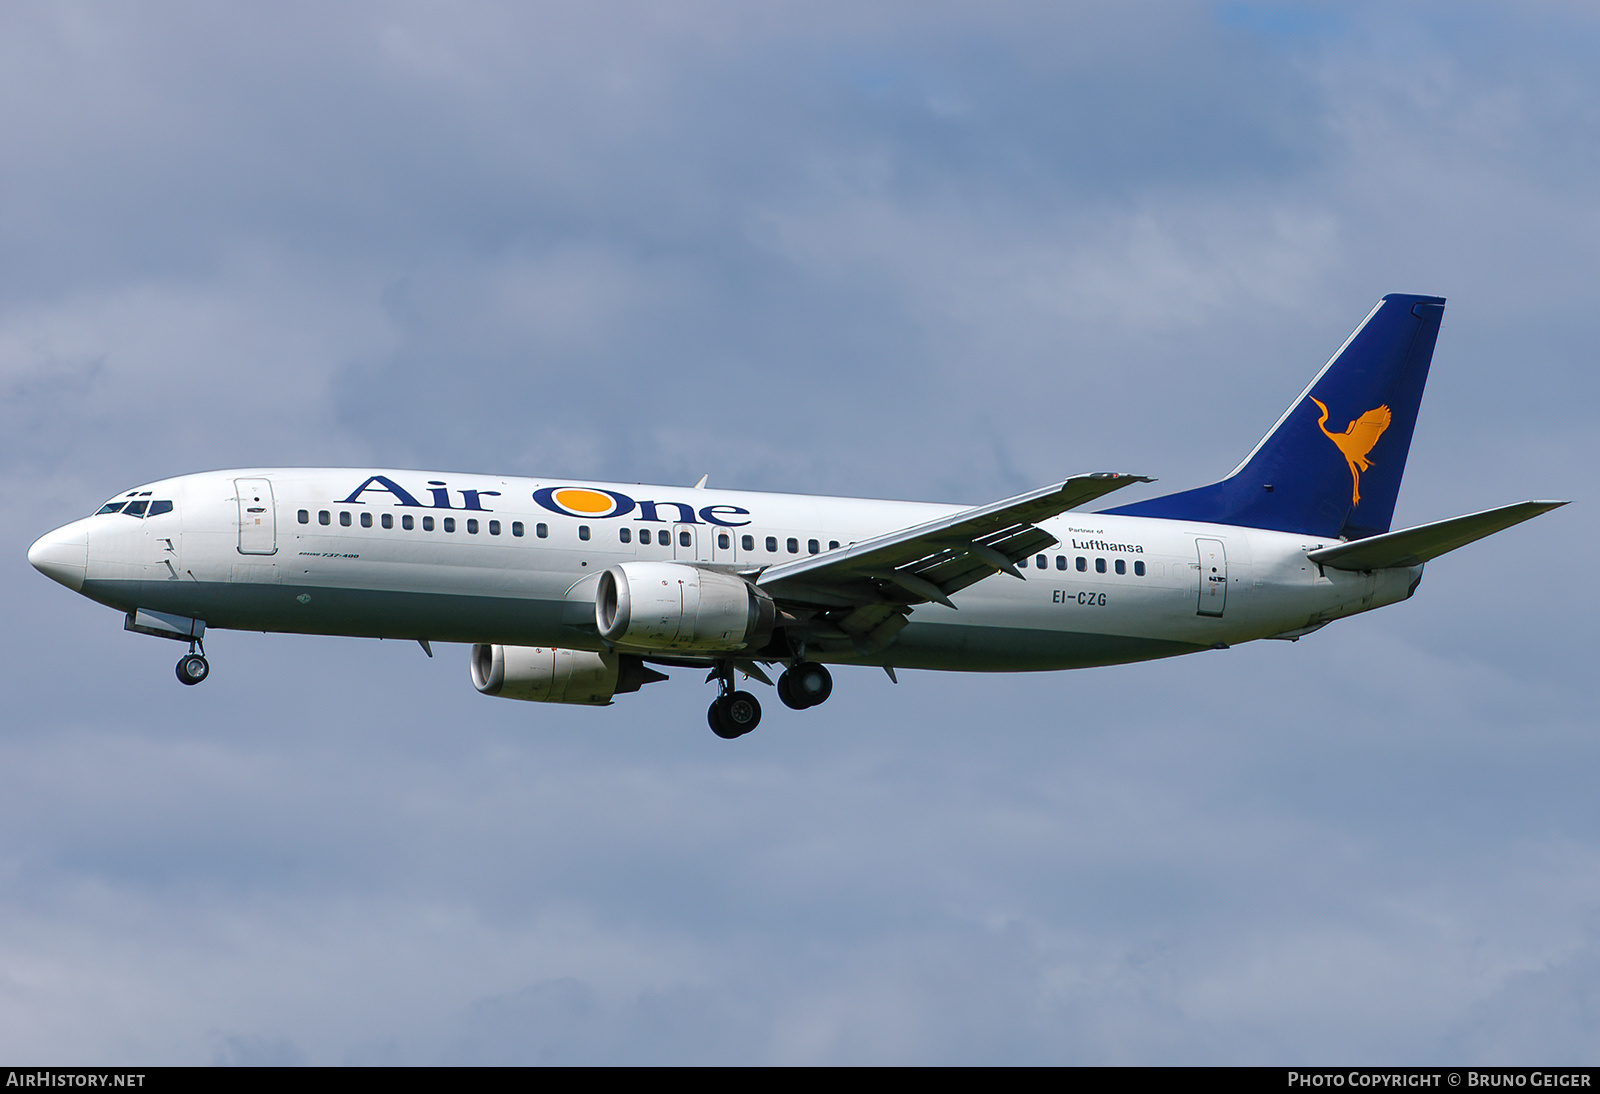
<point>193,666</point>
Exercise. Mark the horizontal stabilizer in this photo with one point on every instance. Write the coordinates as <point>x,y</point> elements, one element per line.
<point>1414,546</point>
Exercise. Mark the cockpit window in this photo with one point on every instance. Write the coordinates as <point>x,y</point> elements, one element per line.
<point>139,508</point>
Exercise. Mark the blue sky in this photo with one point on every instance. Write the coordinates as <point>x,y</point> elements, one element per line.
<point>901,250</point>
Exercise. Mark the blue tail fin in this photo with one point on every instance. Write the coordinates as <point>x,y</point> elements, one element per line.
<point>1332,465</point>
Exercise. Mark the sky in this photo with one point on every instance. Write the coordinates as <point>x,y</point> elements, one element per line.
<point>922,250</point>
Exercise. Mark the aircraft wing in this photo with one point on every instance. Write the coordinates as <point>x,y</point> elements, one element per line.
<point>1413,546</point>
<point>874,583</point>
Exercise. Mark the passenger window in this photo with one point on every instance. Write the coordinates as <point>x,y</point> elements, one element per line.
<point>794,546</point>
<point>625,535</point>
<point>449,524</point>
<point>1082,564</point>
<point>1061,562</point>
<point>583,532</point>
<point>684,539</point>
<point>323,517</point>
<point>407,522</point>
<point>344,520</point>
<point>1022,564</point>
<point>427,524</point>
<point>772,543</point>
<point>387,520</point>
<point>833,545</point>
<point>723,541</point>
<point>472,526</point>
<point>305,517</point>
<point>366,520</point>
<point>1138,569</point>
<point>516,528</point>
<point>1042,562</point>
<point>1099,565</point>
<point>494,528</point>
<point>542,530</point>
<point>1122,567</point>
<point>644,535</point>
<point>813,547</point>
<point>747,542</point>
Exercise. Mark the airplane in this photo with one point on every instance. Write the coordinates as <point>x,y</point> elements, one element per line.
<point>571,591</point>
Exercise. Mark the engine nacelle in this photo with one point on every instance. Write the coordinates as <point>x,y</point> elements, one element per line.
<point>671,606</point>
<point>548,674</point>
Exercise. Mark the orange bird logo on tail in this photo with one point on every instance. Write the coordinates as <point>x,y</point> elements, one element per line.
<point>1356,441</point>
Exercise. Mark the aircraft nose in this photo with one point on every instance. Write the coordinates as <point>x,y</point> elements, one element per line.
<point>62,555</point>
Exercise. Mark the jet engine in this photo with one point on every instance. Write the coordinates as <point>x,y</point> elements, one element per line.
<point>670,606</point>
<point>547,674</point>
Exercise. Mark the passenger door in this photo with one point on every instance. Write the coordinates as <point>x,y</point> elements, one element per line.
<point>1213,577</point>
<point>258,520</point>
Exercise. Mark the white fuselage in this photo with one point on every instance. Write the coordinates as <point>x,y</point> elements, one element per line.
<point>486,559</point>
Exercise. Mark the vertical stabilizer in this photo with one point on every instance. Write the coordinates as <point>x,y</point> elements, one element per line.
<point>1331,467</point>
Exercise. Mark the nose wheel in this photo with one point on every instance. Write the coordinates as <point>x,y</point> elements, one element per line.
<point>193,666</point>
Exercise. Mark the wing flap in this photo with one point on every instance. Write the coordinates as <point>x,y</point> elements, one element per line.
<point>1413,546</point>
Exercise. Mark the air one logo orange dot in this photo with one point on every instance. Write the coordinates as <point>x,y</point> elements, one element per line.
<point>586,503</point>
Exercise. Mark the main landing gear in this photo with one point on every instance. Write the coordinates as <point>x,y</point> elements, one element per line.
<point>735,713</point>
<point>806,684</point>
<point>193,666</point>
